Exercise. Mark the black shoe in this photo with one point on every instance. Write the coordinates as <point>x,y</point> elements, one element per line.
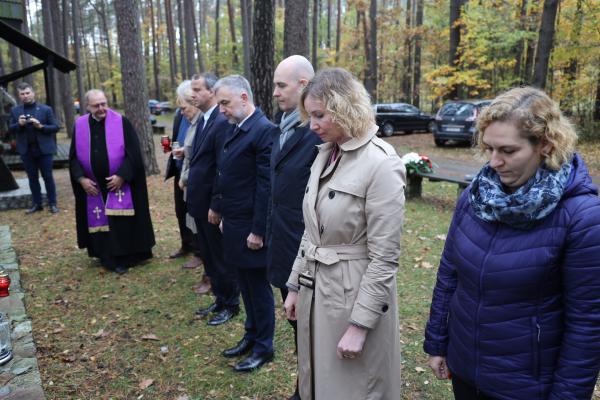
<point>53,209</point>
<point>295,396</point>
<point>33,209</point>
<point>252,362</point>
<point>244,346</point>
<point>203,312</point>
<point>224,316</point>
<point>120,269</point>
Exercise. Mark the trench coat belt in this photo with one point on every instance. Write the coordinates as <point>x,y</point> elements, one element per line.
<point>329,255</point>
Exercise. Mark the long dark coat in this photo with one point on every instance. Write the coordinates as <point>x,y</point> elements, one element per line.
<point>290,169</point>
<point>128,234</point>
<point>208,144</point>
<point>244,186</point>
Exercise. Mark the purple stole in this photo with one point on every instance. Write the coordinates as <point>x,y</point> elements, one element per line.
<point>118,202</point>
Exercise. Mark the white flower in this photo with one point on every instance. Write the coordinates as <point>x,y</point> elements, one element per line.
<point>411,158</point>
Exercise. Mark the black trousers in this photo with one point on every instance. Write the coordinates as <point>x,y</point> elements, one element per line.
<point>223,278</point>
<point>464,391</point>
<point>188,242</point>
<point>284,293</point>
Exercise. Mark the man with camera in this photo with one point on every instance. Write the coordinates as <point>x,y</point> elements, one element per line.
<point>35,127</point>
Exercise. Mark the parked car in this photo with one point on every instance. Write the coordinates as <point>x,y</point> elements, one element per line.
<point>165,106</point>
<point>456,121</point>
<point>403,117</point>
<point>154,106</point>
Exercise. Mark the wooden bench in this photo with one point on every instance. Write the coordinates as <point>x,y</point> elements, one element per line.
<point>414,184</point>
<point>158,129</point>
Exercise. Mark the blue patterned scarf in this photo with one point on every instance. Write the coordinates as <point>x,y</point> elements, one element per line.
<point>522,209</point>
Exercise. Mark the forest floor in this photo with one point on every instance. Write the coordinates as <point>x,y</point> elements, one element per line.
<point>104,336</point>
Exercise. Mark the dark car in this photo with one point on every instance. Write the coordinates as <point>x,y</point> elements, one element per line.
<point>154,106</point>
<point>403,117</point>
<point>165,106</point>
<point>456,121</point>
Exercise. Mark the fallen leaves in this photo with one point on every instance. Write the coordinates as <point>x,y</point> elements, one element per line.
<point>146,383</point>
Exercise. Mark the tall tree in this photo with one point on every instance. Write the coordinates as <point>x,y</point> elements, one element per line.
<point>527,74</point>
<point>329,10</point>
<point>100,8</point>
<point>315,33</point>
<point>263,45</point>
<point>454,54</point>
<point>521,46</point>
<point>295,28</point>
<point>416,94</point>
<point>217,35</point>
<point>182,40</point>
<point>25,56</point>
<point>545,43</point>
<point>231,17</point>
<point>52,94</point>
<point>371,71</point>
<point>64,81</point>
<point>198,39</point>
<point>408,59</point>
<point>155,52</point>
<point>133,73</point>
<point>338,29</point>
<point>597,101</point>
<point>171,38</point>
<point>246,11</point>
<point>190,34</point>
<point>75,19</point>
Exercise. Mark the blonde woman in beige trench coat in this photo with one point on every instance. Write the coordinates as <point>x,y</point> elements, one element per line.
<point>343,282</point>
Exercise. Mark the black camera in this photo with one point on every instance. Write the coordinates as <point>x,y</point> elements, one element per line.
<point>28,117</point>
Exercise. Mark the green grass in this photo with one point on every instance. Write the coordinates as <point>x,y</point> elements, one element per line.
<point>89,324</point>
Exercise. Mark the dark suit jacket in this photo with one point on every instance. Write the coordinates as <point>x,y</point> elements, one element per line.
<point>46,137</point>
<point>207,146</point>
<point>244,184</point>
<point>290,170</point>
<point>171,169</point>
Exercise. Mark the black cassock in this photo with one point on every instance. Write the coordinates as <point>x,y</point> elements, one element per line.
<point>130,238</point>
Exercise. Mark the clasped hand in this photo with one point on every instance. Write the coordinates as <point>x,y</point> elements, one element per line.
<point>114,182</point>
<point>254,242</point>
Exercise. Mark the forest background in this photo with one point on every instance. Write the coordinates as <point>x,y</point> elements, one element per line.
<point>417,51</point>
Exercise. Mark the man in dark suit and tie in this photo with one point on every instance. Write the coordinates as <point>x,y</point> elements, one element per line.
<point>35,128</point>
<point>243,182</point>
<point>202,200</point>
<point>294,151</point>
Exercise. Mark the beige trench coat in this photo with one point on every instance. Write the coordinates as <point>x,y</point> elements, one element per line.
<point>351,246</point>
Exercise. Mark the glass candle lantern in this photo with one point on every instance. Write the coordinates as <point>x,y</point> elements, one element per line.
<point>5,342</point>
<point>4,283</point>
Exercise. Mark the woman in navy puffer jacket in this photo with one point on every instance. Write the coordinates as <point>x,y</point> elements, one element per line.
<point>516,308</point>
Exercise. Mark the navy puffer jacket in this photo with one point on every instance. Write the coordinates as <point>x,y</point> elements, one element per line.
<point>516,312</point>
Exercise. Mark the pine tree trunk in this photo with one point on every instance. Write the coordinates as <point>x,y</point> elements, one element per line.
<point>315,35</point>
<point>329,9</point>
<point>198,40</point>
<point>171,38</point>
<point>246,11</point>
<point>133,73</point>
<point>231,16</point>
<point>189,28</point>
<point>454,54</point>
<point>155,55</point>
<point>545,43</point>
<point>408,60</point>
<point>64,81</point>
<point>597,101</point>
<point>295,28</point>
<point>263,46</point>
<point>52,94</point>
<point>338,29</point>
<point>371,71</point>
<point>182,51</point>
<point>416,95</point>
<point>77,50</point>
<point>521,45</point>
<point>25,56</point>
<point>217,36</point>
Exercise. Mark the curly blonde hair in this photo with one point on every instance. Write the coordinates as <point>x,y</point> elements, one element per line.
<point>538,119</point>
<point>344,97</point>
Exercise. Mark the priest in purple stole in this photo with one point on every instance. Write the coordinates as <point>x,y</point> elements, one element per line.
<point>109,183</point>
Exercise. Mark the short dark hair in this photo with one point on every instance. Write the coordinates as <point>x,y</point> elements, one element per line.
<point>210,79</point>
<point>24,86</point>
